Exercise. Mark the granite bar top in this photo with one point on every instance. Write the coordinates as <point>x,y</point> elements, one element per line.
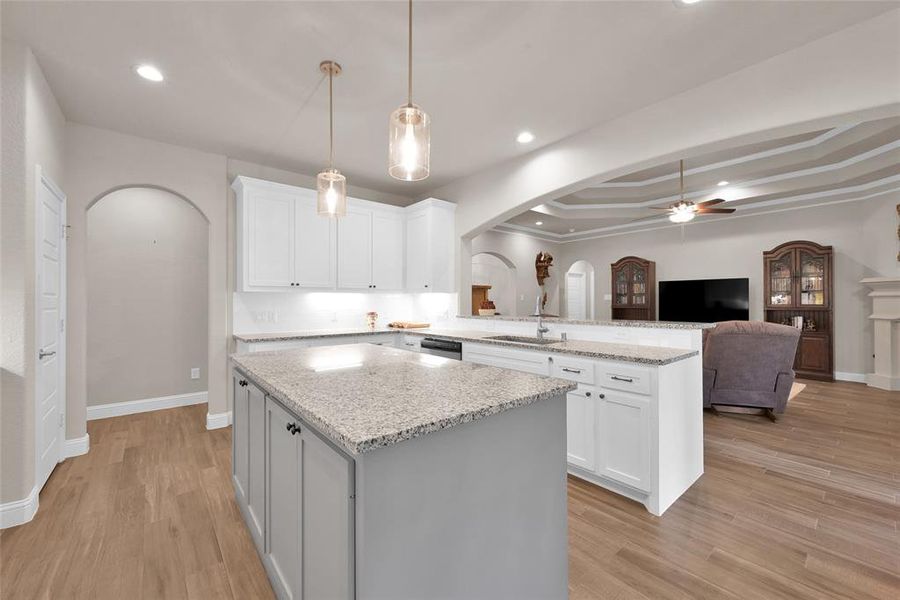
<point>366,397</point>
<point>312,334</point>
<point>618,323</point>
<point>633,353</point>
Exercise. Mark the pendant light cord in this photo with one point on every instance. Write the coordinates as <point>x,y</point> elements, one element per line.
<point>409,59</point>
<point>330,116</point>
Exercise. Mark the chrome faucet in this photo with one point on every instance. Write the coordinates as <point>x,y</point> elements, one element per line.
<point>541,330</point>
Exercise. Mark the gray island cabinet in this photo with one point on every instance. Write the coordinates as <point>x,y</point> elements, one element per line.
<point>372,473</point>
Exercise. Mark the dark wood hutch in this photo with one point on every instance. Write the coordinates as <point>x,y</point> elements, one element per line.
<point>799,280</point>
<point>634,289</point>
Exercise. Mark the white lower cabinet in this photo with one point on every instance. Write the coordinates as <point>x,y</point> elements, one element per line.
<point>248,454</point>
<point>309,519</point>
<point>240,457</point>
<point>623,438</point>
<point>581,427</point>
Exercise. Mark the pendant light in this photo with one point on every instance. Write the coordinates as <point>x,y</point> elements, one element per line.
<point>410,133</point>
<point>331,185</point>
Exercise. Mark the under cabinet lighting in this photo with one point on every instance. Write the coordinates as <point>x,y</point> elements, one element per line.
<point>149,72</point>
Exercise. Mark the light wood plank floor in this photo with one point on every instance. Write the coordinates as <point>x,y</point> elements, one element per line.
<point>807,507</point>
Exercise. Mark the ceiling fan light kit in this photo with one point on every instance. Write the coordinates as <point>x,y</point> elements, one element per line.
<point>684,210</point>
<point>409,137</point>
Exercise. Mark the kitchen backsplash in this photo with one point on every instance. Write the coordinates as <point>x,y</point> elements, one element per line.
<point>260,312</point>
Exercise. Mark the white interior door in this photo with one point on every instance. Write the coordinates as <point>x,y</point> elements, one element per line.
<point>575,296</point>
<point>50,305</point>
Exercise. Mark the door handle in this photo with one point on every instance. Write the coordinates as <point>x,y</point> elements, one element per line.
<point>42,354</point>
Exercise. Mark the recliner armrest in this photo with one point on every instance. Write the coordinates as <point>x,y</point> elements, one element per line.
<point>783,384</point>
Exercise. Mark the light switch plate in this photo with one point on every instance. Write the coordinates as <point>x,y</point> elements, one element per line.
<point>195,373</point>
<point>607,297</point>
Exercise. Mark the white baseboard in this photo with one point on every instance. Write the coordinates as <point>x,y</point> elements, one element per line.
<point>19,512</point>
<point>218,420</point>
<point>854,377</point>
<point>117,409</point>
<point>75,447</point>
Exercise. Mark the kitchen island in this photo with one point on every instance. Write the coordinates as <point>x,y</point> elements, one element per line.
<point>372,472</point>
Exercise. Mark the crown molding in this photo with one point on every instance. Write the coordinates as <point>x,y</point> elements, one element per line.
<point>837,166</point>
<point>623,229</point>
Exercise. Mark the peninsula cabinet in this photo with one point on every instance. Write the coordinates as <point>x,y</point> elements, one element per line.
<point>283,244</point>
<point>248,454</point>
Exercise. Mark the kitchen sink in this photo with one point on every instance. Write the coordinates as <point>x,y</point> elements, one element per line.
<point>522,339</point>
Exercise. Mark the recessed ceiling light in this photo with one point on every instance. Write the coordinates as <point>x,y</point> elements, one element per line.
<point>722,183</point>
<point>538,222</point>
<point>571,230</point>
<point>149,72</point>
<point>525,137</point>
<point>688,1</point>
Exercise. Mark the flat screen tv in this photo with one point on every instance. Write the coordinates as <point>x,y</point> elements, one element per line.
<point>704,300</point>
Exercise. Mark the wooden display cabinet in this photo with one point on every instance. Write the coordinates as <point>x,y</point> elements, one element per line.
<point>634,289</point>
<point>798,281</point>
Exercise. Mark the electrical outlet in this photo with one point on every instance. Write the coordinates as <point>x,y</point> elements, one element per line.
<point>607,297</point>
<point>195,373</point>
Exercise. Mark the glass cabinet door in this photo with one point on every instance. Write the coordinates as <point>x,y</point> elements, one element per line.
<point>622,283</point>
<point>638,285</point>
<point>781,279</point>
<point>812,279</point>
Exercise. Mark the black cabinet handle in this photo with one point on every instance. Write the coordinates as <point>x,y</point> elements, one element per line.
<point>568,370</point>
<point>625,379</point>
<point>293,428</point>
<point>242,383</point>
<point>601,396</point>
<point>587,394</point>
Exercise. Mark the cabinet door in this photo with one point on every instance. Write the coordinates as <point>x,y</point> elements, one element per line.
<point>581,427</point>
<point>240,465</point>
<point>813,353</point>
<point>328,507</point>
<point>387,252</point>
<point>812,270</point>
<point>256,458</point>
<point>270,233</point>
<point>283,555</point>
<point>780,280</point>
<point>354,269</point>
<point>418,252</point>
<point>314,264</point>
<point>624,439</point>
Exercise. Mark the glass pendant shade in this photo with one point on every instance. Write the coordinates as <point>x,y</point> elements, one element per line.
<point>332,193</point>
<point>410,144</point>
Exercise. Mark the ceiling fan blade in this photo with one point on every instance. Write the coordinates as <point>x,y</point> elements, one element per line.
<point>715,211</point>
<point>712,202</point>
<point>660,207</point>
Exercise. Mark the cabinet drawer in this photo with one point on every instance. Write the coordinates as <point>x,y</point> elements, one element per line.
<point>410,342</point>
<point>506,358</point>
<point>573,369</point>
<point>628,379</point>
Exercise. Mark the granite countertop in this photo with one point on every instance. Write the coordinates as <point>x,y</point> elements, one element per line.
<point>366,397</point>
<point>647,355</point>
<point>618,323</point>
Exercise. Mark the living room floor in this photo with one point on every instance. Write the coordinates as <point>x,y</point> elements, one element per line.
<point>807,507</point>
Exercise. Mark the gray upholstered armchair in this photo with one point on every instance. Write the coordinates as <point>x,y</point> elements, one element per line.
<point>749,363</point>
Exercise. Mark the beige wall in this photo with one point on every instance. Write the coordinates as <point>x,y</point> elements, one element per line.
<point>521,250</point>
<point>147,290</point>
<point>33,129</point>
<point>99,161</point>
<point>863,233</point>
<point>487,269</point>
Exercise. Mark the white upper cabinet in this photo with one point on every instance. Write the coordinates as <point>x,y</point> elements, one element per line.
<point>387,251</point>
<point>314,249</point>
<point>269,225</point>
<point>430,243</point>
<point>284,245</point>
<point>355,249</point>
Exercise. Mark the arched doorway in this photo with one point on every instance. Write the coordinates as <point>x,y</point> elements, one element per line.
<point>147,302</point>
<point>580,291</point>
<point>494,277</point>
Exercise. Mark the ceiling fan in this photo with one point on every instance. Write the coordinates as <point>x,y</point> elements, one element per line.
<point>685,210</point>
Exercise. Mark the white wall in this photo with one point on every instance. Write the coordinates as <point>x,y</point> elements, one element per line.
<point>487,269</point>
<point>147,289</point>
<point>33,132</point>
<point>99,161</point>
<point>521,250</point>
<point>863,233</point>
